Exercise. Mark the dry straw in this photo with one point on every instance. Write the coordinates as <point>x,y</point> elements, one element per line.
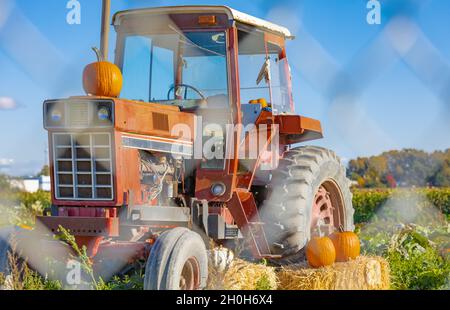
<point>242,275</point>
<point>363,273</point>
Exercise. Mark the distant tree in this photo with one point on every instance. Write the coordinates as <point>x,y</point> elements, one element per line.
<point>391,181</point>
<point>45,171</point>
<point>442,176</point>
<point>3,181</point>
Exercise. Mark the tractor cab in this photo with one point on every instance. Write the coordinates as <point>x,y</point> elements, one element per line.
<point>204,57</point>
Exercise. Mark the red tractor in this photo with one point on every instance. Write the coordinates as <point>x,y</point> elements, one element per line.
<point>175,164</point>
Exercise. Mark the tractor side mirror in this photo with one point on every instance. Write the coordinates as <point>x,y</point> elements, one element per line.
<point>264,72</point>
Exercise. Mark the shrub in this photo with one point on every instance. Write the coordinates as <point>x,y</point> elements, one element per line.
<point>416,254</point>
<point>30,199</point>
<point>415,261</point>
<point>367,202</point>
<point>20,208</point>
<point>421,269</point>
<point>127,282</point>
<point>33,281</point>
<point>440,197</point>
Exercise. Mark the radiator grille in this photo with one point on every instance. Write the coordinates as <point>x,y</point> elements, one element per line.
<point>79,114</point>
<point>83,166</point>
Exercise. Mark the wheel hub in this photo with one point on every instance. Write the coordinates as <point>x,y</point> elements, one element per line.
<point>326,209</point>
<point>190,275</point>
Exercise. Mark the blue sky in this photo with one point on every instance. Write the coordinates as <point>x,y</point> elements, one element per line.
<point>374,87</point>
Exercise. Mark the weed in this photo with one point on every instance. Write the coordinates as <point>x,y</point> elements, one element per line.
<point>263,283</point>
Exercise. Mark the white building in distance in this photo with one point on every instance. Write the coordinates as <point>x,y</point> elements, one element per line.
<point>32,185</point>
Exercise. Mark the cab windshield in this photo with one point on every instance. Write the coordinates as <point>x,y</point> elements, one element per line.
<point>181,68</point>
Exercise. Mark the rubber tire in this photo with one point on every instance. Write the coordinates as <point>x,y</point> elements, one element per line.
<point>287,210</point>
<point>159,256</point>
<point>189,245</point>
<point>167,258</point>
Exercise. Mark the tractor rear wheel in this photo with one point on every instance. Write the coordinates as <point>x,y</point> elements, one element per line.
<point>178,261</point>
<point>309,194</point>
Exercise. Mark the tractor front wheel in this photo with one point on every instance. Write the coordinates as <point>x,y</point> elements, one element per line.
<point>178,261</point>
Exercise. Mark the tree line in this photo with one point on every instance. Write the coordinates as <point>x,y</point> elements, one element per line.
<point>404,168</point>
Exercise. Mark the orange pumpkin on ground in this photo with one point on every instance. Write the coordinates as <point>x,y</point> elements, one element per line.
<point>346,244</point>
<point>320,252</point>
<point>102,78</point>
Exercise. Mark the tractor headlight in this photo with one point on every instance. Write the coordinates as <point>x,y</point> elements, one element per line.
<point>218,189</point>
<point>103,114</point>
<point>56,115</point>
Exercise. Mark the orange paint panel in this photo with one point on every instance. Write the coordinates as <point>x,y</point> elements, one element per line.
<point>295,128</point>
<point>128,175</point>
<point>296,124</point>
<point>150,118</point>
<point>204,181</point>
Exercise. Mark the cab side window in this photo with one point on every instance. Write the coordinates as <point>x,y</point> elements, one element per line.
<point>252,56</point>
<point>278,80</point>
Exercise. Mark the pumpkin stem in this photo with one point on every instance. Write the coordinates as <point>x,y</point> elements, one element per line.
<point>98,53</point>
<point>318,229</point>
<point>341,228</point>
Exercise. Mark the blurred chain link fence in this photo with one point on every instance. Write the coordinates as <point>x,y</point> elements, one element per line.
<point>400,39</point>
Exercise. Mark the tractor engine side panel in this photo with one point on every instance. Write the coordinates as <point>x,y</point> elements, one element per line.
<point>127,165</point>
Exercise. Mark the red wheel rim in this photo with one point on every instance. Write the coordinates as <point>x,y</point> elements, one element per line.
<point>327,209</point>
<point>190,275</point>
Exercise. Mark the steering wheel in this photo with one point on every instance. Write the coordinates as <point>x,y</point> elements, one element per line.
<point>186,86</point>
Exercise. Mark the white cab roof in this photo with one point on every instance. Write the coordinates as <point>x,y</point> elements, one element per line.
<point>232,15</point>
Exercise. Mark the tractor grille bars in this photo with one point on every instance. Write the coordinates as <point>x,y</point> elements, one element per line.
<point>79,114</point>
<point>83,166</point>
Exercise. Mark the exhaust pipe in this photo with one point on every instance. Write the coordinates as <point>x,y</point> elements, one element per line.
<point>104,35</point>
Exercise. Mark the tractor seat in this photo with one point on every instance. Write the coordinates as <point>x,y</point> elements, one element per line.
<point>250,113</point>
<point>252,110</point>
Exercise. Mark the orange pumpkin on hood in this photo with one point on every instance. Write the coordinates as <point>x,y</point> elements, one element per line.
<point>102,78</point>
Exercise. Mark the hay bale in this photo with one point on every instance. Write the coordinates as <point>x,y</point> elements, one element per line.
<point>363,273</point>
<point>242,275</point>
